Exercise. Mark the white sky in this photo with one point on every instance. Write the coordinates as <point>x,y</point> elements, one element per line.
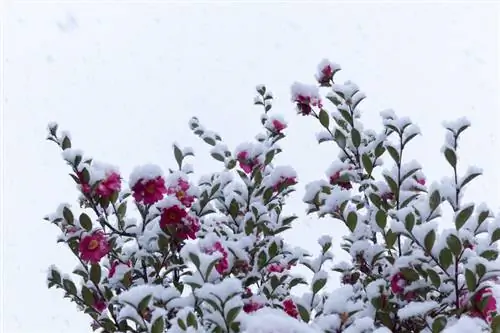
<point>125,79</point>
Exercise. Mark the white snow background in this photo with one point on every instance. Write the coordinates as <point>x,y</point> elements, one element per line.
<point>124,78</point>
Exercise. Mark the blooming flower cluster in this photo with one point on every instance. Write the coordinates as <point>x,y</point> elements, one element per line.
<point>166,253</point>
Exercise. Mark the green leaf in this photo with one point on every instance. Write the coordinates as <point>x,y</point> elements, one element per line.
<point>318,285</point>
<point>273,249</point>
<point>69,286</point>
<point>95,273</point>
<point>209,140</point>
<point>158,326</point>
<point>392,184</point>
<point>439,324</point>
<point>495,235</point>
<point>324,119</point>
<point>434,277</point>
<point>88,296</point>
<point>470,279</point>
<point>355,137</point>
<point>191,320</point>
<point>495,324</point>
<point>304,314</point>
<point>143,304</point>
<point>463,216</point>
<point>340,138</point>
<point>269,157</point>
<point>56,276</point>
<point>233,313</point>
<point>451,157</point>
<point>454,244</point>
<point>390,238</point>
<point>381,219</point>
<point>268,193</point>
<point>194,259</point>
<point>85,222</point>
<point>434,200</point>
<point>262,259</point>
<point>445,258</point>
<point>469,179</point>
<point>352,221</point>
<point>234,209</point>
<point>218,157</point>
<point>483,216</point>
<point>379,150</point>
<point>367,163</point>
<point>409,222</point>
<point>178,156</point>
<point>490,255</point>
<point>66,143</point>
<point>68,215</point>
<point>394,153</point>
<point>480,270</point>
<point>410,274</point>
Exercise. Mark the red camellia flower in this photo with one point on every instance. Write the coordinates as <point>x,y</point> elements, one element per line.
<point>335,180</point>
<point>325,76</point>
<point>398,283</point>
<point>150,191</point>
<point>93,247</point>
<point>112,269</point>
<point>188,228</point>
<point>305,104</point>
<point>180,192</point>
<point>223,264</point>
<point>275,268</point>
<point>109,185</point>
<point>288,181</point>
<point>246,163</point>
<point>99,304</point>
<point>290,308</point>
<point>252,306</point>
<point>387,196</point>
<point>172,215</point>
<point>85,187</point>
<point>278,125</point>
<point>421,181</point>
<point>489,307</point>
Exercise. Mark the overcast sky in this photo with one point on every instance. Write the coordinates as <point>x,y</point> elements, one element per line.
<point>125,78</point>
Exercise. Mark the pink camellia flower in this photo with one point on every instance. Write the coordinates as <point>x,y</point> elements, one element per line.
<point>275,268</point>
<point>278,126</point>
<point>180,192</point>
<point>109,185</point>
<point>246,163</point>
<point>114,265</point>
<point>252,306</point>
<point>290,308</point>
<point>490,305</point>
<point>94,247</point>
<point>335,180</point>
<point>398,283</point>
<point>223,264</point>
<point>150,191</point>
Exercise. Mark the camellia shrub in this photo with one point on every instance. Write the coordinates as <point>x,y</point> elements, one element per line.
<point>165,253</point>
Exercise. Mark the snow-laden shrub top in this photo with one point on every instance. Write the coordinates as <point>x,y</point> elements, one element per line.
<point>162,252</point>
